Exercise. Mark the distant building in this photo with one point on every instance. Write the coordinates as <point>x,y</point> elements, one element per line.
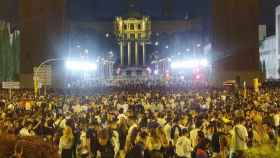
<point>277,16</point>
<point>262,32</point>
<point>42,27</point>
<point>235,39</point>
<point>269,58</point>
<point>133,33</point>
<point>270,50</point>
<point>99,36</point>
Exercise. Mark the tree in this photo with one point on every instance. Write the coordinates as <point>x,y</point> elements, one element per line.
<point>9,53</point>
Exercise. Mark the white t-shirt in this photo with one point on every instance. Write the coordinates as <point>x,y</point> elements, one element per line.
<point>183,147</point>
<point>11,106</point>
<point>28,106</point>
<point>167,131</point>
<point>24,132</point>
<point>77,108</point>
<point>122,106</point>
<point>239,138</point>
<point>276,118</point>
<point>193,137</point>
<point>161,121</point>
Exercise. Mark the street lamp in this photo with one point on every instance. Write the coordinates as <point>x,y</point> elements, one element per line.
<point>36,78</point>
<point>70,64</point>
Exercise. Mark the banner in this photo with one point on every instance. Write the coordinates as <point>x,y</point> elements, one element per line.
<point>10,85</point>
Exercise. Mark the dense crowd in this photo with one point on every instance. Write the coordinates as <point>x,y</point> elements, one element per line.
<point>161,123</point>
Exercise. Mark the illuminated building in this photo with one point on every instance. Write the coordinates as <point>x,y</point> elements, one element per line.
<point>269,51</point>
<point>277,16</point>
<point>269,58</point>
<point>132,33</point>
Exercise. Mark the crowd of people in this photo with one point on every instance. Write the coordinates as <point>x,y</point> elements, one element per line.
<point>158,123</point>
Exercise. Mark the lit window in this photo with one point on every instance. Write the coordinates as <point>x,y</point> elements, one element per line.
<point>131,27</point>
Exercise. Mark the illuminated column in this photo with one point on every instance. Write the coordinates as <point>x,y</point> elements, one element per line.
<point>144,52</point>
<point>128,53</point>
<point>136,53</point>
<point>121,53</point>
<point>111,70</point>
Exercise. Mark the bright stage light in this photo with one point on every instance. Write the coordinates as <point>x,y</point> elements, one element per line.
<point>204,62</point>
<point>80,65</point>
<point>197,77</point>
<point>189,64</point>
<point>149,70</point>
<point>156,72</point>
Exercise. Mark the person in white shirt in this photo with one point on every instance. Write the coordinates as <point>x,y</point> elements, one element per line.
<point>239,137</point>
<point>11,106</point>
<point>194,134</point>
<point>161,120</point>
<point>276,118</point>
<point>66,143</point>
<point>84,146</point>
<point>27,130</point>
<point>28,106</point>
<point>77,108</point>
<point>183,145</point>
<point>167,130</point>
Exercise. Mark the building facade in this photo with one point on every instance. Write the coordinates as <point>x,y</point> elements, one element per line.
<point>277,16</point>
<point>42,27</point>
<point>132,33</point>
<point>235,39</point>
<point>42,31</point>
<point>262,32</point>
<point>269,58</point>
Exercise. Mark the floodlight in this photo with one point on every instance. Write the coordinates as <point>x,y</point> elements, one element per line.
<point>107,35</point>
<point>156,43</point>
<point>156,72</point>
<point>189,64</point>
<point>149,70</point>
<point>204,62</point>
<point>182,77</point>
<point>197,76</point>
<point>86,51</point>
<point>80,65</point>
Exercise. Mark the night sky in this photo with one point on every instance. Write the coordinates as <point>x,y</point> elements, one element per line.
<point>268,14</point>
<point>100,10</point>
